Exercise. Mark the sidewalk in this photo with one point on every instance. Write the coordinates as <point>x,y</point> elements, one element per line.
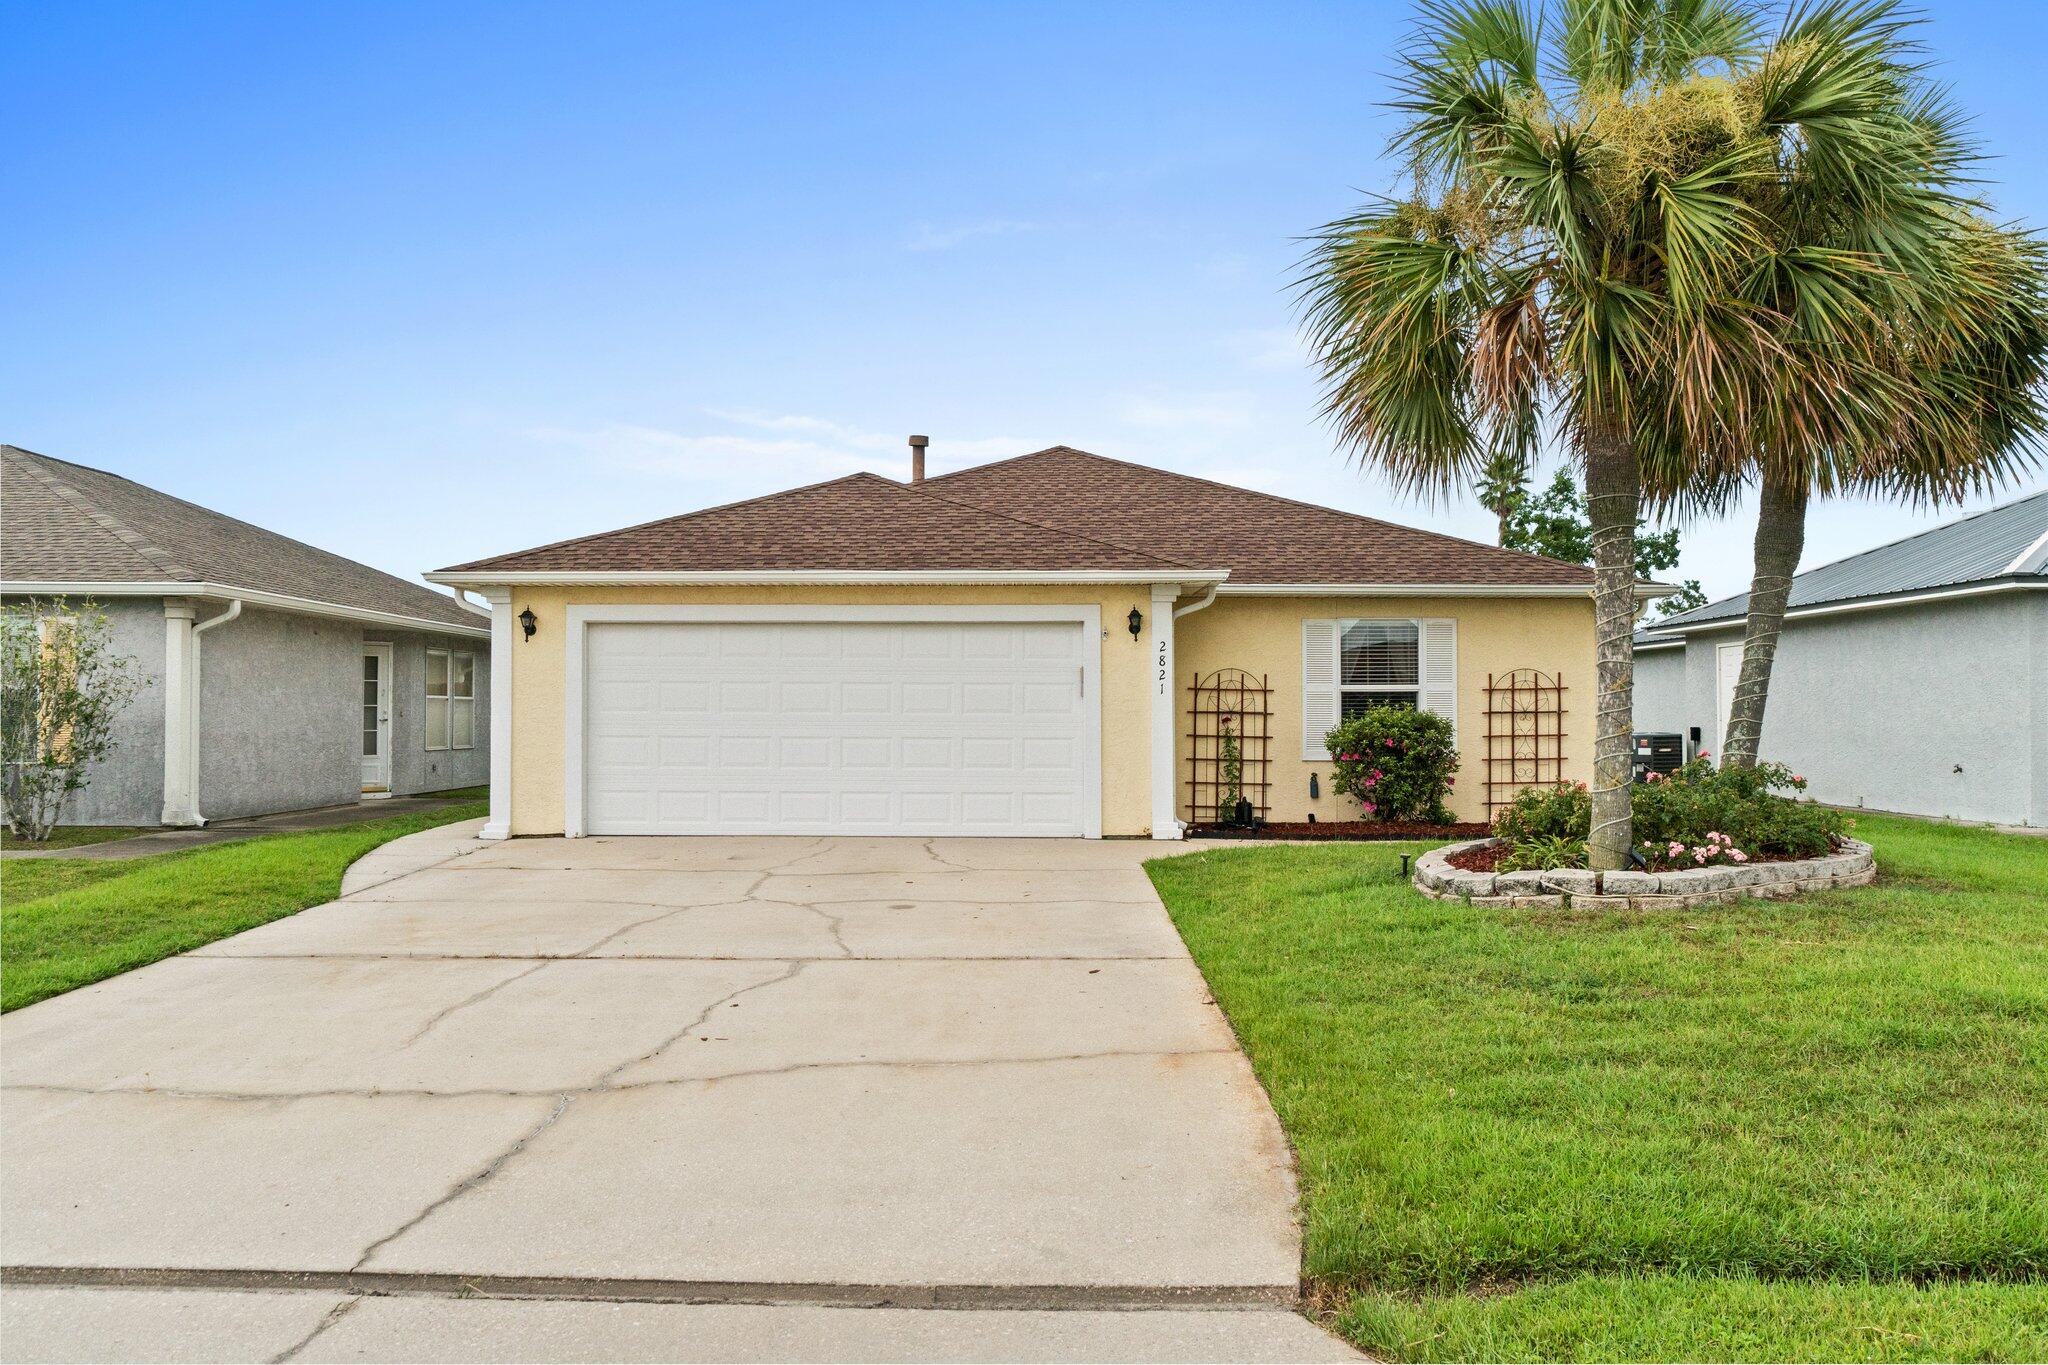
<point>230,831</point>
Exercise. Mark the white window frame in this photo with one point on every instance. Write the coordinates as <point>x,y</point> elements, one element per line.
<point>447,701</point>
<point>1414,691</point>
<point>1435,688</point>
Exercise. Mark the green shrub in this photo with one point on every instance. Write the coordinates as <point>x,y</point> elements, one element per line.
<point>1561,812</point>
<point>1397,761</point>
<point>1544,852</point>
<point>1698,816</point>
<point>1741,806</point>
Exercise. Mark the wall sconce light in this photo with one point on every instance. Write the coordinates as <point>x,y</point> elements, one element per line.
<point>1137,623</point>
<point>528,621</point>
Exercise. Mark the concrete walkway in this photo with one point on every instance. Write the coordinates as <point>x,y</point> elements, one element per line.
<point>662,1099</point>
<point>231,831</point>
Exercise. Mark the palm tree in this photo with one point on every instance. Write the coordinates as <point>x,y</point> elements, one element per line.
<point>1944,337</point>
<point>1554,261</point>
<point>1701,255</point>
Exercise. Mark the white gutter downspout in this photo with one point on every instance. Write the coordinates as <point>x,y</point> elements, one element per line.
<point>1207,599</point>
<point>181,712</point>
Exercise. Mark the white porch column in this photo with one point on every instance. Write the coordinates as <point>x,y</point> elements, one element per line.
<point>181,714</point>
<point>1165,821</point>
<point>503,626</point>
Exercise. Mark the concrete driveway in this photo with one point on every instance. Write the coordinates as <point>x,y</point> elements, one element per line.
<point>847,1075</point>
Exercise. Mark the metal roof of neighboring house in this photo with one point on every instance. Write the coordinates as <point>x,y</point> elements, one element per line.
<point>1058,510</point>
<point>2004,544</point>
<point>64,526</point>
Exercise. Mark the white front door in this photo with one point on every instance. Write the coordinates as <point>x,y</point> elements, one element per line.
<point>1727,672</point>
<point>376,709</point>
<point>816,727</point>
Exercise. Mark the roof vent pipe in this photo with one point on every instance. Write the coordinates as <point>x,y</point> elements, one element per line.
<point>917,445</point>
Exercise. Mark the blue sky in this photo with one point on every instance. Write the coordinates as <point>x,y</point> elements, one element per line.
<point>419,283</point>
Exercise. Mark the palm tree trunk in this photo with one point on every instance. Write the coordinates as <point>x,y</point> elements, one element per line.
<point>1780,540</point>
<point>1613,491</point>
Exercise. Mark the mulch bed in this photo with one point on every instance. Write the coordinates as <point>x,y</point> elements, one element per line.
<point>1341,829</point>
<point>1483,858</point>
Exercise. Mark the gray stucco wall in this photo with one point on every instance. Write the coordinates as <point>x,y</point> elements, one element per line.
<point>278,726</point>
<point>414,767</point>
<point>1660,691</point>
<point>280,718</point>
<point>128,787</point>
<point>1878,708</point>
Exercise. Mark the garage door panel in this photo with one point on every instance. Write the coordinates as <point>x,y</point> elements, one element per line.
<point>885,727</point>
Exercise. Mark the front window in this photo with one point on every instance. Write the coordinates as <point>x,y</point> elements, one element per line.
<point>451,700</point>
<point>1379,664</point>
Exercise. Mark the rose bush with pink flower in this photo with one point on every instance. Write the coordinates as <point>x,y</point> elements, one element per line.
<point>1409,771</point>
<point>1699,816</point>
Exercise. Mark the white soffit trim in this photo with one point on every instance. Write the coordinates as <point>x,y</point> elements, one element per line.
<point>1418,590</point>
<point>622,578</point>
<point>277,600</point>
<point>1904,599</point>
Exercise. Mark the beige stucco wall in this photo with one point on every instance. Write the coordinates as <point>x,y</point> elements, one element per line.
<point>1262,634</point>
<point>537,680</point>
<point>1495,635</point>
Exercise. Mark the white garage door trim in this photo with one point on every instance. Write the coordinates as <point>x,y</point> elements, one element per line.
<point>1085,615</point>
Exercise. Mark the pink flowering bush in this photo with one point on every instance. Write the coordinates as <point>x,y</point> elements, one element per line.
<point>1704,816</point>
<point>1699,816</point>
<point>1397,762</point>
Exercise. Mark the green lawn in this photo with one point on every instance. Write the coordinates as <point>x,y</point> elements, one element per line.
<point>72,836</point>
<point>66,923</point>
<point>1808,1129</point>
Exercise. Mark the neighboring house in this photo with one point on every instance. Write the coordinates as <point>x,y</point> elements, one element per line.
<point>1007,650</point>
<point>274,676</point>
<point>1912,677</point>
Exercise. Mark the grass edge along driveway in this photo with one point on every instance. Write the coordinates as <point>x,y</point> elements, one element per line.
<point>66,923</point>
<point>1776,1130</point>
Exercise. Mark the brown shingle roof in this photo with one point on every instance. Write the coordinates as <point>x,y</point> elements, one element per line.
<point>860,522</point>
<point>1260,538</point>
<point>67,523</point>
<point>1058,509</point>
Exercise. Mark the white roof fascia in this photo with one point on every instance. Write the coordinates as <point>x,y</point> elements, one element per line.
<point>815,577</point>
<point>255,598</point>
<point>1904,599</point>
<point>1413,590</point>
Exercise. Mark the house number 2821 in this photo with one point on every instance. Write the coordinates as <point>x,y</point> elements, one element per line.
<point>1162,667</point>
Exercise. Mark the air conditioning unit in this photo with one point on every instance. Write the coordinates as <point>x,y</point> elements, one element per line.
<point>1658,754</point>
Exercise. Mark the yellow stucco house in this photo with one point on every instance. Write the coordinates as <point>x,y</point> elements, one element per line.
<point>1047,645</point>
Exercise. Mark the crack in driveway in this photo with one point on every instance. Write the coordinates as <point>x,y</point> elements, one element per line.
<point>563,1100</point>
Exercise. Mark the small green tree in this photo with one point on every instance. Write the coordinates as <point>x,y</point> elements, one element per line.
<point>1557,523</point>
<point>61,686</point>
<point>1229,773</point>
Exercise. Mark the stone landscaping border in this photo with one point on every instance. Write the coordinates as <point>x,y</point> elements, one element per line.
<point>1560,888</point>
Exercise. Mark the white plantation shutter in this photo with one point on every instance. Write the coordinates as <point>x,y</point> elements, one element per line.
<point>1440,670</point>
<point>1319,708</point>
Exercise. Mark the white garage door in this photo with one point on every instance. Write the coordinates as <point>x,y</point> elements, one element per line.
<point>922,728</point>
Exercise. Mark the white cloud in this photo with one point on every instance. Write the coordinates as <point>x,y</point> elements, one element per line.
<point>1268,348</point>
<point>925,236</point>
<point>1223,409</point>
<point>800,450</point>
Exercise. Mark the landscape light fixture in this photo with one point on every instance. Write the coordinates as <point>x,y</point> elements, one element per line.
<point>527,622</point>
<point>1137,623</point>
